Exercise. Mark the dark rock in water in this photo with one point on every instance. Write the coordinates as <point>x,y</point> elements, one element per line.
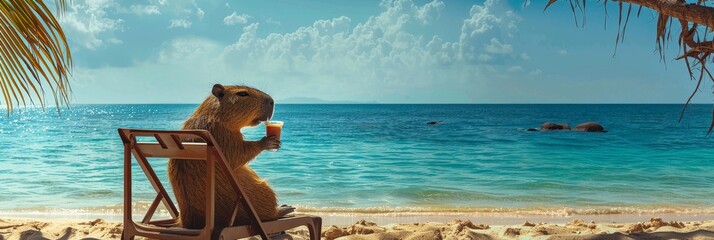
<point>433,123</point>
<point>590,127</point>
<point>548,126</point>
<point>532,130</point>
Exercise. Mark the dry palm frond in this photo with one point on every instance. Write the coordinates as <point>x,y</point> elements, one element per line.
<point>34,54</point>
<point>696,20</point>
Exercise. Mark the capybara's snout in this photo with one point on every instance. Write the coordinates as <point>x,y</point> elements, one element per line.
<point>268,108</point>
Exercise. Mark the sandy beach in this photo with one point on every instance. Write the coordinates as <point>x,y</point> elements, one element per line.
<point>654,228</point>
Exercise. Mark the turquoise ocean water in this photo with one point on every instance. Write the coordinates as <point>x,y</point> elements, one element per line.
<point>375,158</point>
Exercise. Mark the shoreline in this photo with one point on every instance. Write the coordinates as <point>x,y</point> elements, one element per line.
<point>347,218</point>
<point>548,210</point>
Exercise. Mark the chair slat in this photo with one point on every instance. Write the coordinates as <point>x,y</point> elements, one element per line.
<point>163,230</point>
<point>190,151</point>
<point>152,209</point>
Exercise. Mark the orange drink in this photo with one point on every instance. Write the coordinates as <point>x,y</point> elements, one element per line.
<point>273,128</point>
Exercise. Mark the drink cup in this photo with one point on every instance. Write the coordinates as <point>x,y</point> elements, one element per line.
<point>273,128</point>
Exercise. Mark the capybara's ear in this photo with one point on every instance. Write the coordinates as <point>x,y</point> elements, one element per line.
<point>218,90</point>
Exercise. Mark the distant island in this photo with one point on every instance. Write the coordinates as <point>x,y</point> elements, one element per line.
<point>311,100</point>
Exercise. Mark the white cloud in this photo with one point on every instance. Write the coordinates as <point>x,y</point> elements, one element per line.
<point>384,58</point>
<point>497,47</point>
<point>513,20</point>
<point>273,21</point>
<point>114,40</point>
<point>179,23</point>
<point>200,13</point>
<point>515,69</point>
<point>188,50</point>
<point>423,14</point>
<point>525,56</point>
<point>429,11</point>
<point>563,52</point>
<point>383,54</point>
<point>145,9</point>
<point>88,24</point>
<point>235,19</point>
<point>485,57</point>
<point>483,18</point>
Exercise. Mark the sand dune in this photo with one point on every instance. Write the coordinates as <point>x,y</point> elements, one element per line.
<point>656,228</point>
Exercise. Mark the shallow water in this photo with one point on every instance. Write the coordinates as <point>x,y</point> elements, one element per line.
<point>379,157</point>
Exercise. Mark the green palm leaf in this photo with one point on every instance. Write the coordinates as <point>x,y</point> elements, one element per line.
<point>34,55</point>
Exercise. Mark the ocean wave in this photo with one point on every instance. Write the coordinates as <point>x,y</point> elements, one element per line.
<point>537,211</point>
<point>139,208</point>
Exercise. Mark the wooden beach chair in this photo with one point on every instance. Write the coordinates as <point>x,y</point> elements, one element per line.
<point>169,144</point>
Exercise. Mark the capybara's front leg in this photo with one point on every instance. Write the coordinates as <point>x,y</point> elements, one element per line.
<point>250,149</point>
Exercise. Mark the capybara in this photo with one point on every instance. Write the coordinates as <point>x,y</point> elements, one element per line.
<point>223,114</point>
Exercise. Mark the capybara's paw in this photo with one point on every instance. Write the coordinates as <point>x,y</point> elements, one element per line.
<point>269,142</point>
<point>285,210</point>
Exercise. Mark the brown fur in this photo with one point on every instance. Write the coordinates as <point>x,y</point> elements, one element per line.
<point>223,117</point>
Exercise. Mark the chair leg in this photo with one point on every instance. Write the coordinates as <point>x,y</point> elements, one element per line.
<point>315,228</point>
<point>126,237</point>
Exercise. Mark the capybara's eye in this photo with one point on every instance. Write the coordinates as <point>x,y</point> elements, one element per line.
<point>242,93</point>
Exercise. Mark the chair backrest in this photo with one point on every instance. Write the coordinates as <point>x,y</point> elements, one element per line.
<point>178,144</point>
<point>170,144</point>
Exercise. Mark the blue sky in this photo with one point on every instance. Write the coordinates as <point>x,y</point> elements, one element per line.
<point>401,51</point>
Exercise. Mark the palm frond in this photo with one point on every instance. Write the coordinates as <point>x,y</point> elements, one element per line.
<point>34,54</point>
